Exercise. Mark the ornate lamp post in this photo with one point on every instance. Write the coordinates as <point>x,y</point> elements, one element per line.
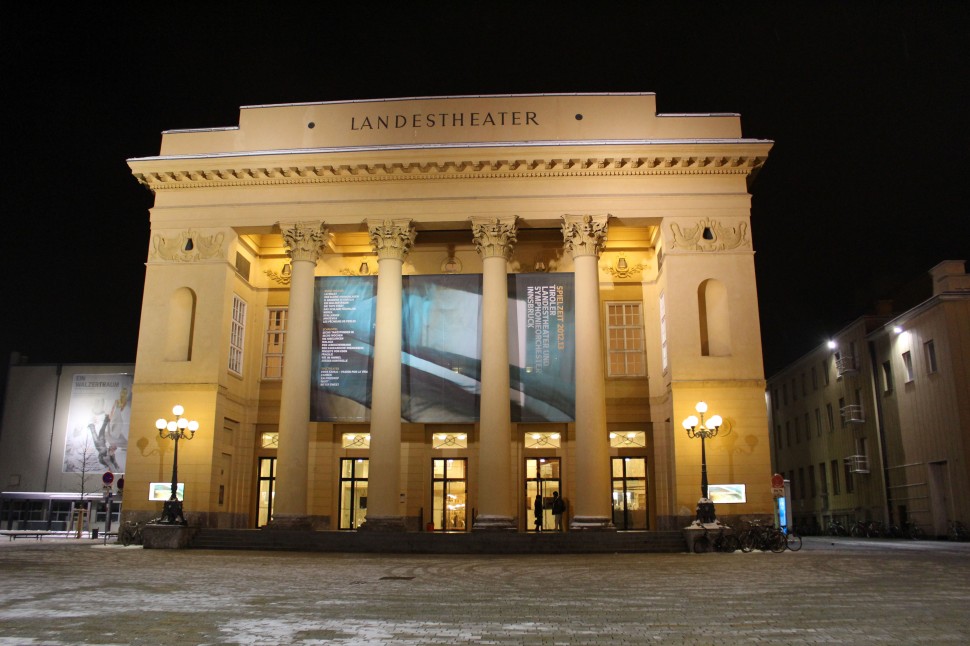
<point>177,429</point>
<point>705,431</point>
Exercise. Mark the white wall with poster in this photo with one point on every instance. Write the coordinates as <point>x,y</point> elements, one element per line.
<point>46,438</point>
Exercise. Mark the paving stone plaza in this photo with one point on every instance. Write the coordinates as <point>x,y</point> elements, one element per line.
<point>839,591</point>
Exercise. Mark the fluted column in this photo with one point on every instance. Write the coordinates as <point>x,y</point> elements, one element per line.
<point>304,243</point>
<point>495,239</point>
<point>584,237</point>
<point>392,240</point>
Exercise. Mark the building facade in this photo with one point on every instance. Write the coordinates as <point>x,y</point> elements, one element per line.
<point>873,425</point>
<point>65,426</point>
<point>423,314</point>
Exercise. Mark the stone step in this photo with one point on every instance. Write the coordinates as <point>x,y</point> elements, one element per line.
<point>440,542</point>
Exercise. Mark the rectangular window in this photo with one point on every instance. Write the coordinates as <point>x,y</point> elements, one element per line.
<point>275,343</point>
<point>908,366</point>
<point>798,432</point>
<point>822,479</point>
<point>818,422</point>
<point>814,378</point>
<point>835,478</point>
<point>842,410</point>
<point>784,394</point>
<point>801,482</point>
<point>808,429</point>
<point>804,387</point>
<point>825,373</point>
<point>788,433</point>
<point>778,435</point>
<point>811,481</point>
<point>774,399</point>
<point>237,335</point>
<point>831,416</point>
<point>930,351</point>
<point>887,377</point>
<point>624,333</point>
<point>849,483</point>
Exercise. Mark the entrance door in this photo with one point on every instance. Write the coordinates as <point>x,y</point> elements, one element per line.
<point>630,493</point>
<point>267,485</point>
<point>542,478</point>
<point>449,486</point>
<point>353,492</point>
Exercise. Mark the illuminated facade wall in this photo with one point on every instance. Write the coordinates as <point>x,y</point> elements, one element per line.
<point>549,284</point>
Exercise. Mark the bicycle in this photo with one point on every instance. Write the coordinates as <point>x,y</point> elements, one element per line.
<point>721,542</point>
<point>131,533</point>
<point>837,529</point>
<point>793,541</point>
<point>958,531</point>
<point>760,537</point>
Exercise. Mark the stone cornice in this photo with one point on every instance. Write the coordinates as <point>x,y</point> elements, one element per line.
<point>255,170</point>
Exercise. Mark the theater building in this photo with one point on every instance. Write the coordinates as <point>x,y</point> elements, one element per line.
<point>421,314</point>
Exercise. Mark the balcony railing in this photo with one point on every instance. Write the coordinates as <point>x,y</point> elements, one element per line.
<point>853,414</point>
<point>857,463</point>
<point>846,364</point>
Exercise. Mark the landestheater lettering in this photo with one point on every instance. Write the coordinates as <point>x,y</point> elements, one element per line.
<point>444,120</point>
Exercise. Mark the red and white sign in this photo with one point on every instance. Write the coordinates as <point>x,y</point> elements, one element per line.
<point>108,477</point>
<point>777,481</point>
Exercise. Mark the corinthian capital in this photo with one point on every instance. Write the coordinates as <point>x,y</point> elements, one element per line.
<point>584,235</point>
<point>391,238</point>
<point>304,240</point>
<point>494,237</point>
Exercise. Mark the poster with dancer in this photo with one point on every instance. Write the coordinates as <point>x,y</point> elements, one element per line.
<point>97,423</point>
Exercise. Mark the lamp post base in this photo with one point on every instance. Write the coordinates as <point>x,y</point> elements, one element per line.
<point>172,513</point>
<point>705,511</point>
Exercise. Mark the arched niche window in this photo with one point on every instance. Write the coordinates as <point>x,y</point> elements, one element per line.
<point>715,319</point>
<point>181,325</point>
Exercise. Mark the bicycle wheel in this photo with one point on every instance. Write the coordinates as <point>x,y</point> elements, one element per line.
<point>776,543</point>
<point>730,544</point>
<point>702,544</point>
<point>916,532</point>
<point>748,542</point>
<point>793,541</point>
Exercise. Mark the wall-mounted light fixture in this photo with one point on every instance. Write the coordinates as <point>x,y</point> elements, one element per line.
<point>363,270</point>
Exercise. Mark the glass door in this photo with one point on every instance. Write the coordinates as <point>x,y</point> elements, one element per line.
<point>448,512</point>
<point>542,478</point>
<point>353,492</point>
<point>267,484</point>
<point>630,493</point>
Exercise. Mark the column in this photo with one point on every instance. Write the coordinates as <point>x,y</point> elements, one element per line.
<point>392,240</point>
<point>584,237</point>
<point>495,239</point>
<point>304,243</point>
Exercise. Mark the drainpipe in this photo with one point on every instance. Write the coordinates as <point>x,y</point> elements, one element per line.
<point>880,431</point>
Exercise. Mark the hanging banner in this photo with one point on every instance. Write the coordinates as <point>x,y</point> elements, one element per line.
<point>97,423</point>
<point>441,348</point>
<point>542,356</point>
<point>343,323</point>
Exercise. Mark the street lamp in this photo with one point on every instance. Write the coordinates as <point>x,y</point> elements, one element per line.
<point>176,429</point>
<point>705,431</point>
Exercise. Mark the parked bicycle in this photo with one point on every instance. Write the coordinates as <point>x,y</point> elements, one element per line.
<point>721,541</point>
<point>793,540</point>
<point>837,529</point>
<point>866,529</point>
<point>958,531</point>
<point>130,533</point>
<point>762,537</point>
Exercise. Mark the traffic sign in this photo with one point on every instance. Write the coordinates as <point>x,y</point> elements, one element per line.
<point>777,481</point>
<point>108,477</point>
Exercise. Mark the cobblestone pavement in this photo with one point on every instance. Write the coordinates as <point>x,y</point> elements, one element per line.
<point>842,591</point>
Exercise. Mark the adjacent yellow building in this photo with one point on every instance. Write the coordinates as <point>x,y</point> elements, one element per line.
<point>424,313</point>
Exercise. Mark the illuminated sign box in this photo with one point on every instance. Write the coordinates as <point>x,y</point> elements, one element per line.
<point>162,491</point>
<point>726,493</point>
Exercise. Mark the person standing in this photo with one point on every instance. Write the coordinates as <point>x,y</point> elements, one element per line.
<point>558,509</point>
<point>537,510</point>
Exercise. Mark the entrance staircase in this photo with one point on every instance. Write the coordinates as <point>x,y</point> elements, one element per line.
<point>441,542</point>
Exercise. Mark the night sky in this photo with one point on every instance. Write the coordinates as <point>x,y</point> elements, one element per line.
<point>867,103</point>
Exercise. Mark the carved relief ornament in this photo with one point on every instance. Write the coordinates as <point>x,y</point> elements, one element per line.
<point>708,235</point>
<point>494,237</point>
<point>584,235</point>
<point>188,246</point>
<point>391,238</point>
<point>304,240</point>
